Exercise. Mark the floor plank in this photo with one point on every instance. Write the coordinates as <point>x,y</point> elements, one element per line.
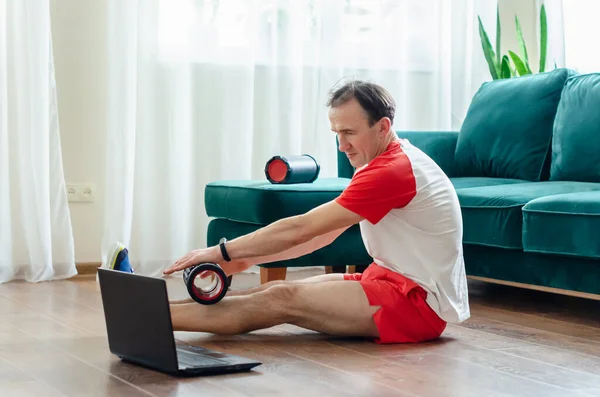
<point>534,335</point>
<point>28,388</point>
<point>531,369</point>
<point>539,322</point>
<point>559,357</point>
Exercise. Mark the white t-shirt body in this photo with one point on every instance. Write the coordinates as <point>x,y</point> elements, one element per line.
<point>413,224</point>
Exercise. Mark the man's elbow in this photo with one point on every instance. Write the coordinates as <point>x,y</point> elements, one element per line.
<point>301,231</point>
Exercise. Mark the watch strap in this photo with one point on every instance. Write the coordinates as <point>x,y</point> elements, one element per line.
<point>224,250</point>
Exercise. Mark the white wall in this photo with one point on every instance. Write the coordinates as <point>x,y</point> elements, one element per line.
<point>79,32</point>
<point>79,37</point>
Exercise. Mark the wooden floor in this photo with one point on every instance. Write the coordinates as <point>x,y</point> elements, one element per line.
<point>517,343</point>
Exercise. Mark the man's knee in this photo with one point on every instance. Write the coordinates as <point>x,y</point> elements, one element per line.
<point>282,298</point>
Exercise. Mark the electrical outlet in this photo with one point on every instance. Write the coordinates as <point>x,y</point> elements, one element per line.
<point>72,192</point>
<point>81,192</point>
<point>87,192</point>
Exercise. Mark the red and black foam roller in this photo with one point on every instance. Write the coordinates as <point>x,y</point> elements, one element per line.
<point>208,289</point>
<point>292,169</point>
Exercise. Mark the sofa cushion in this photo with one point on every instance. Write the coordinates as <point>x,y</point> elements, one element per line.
<point>475,181</point>
<point>261,202</point>
<point>508,128</point>
<point>576,137</point>
<point>492,214</point>
<point>566,224</point>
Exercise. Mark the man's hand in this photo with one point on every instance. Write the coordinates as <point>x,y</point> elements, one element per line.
<point>195,257</point>
<point>208,255</point>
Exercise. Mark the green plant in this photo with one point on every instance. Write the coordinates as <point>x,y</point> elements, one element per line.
<point>510,65</point>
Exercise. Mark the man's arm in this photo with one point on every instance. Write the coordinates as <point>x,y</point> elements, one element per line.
<point>299,250</point>
<point>287,236</point>
<point>294,234</point>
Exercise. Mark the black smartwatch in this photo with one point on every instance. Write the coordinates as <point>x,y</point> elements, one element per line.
<point>224,250</point>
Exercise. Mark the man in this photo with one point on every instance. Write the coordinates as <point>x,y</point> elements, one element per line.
<point>411,225</point>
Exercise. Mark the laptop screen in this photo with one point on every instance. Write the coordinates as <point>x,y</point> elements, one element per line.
<point>138,319</point>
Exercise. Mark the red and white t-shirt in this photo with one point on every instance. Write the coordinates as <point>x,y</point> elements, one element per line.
<point>413,224</point>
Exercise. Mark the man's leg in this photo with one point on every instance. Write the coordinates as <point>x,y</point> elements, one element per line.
<point>314,279</point>
<point>332,307</point>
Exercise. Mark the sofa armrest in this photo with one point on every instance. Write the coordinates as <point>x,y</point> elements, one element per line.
<point>439,145</point>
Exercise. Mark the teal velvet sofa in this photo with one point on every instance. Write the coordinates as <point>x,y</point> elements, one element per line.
<point>525,165</point>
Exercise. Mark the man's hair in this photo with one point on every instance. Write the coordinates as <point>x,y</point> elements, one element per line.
<point>373,98</point>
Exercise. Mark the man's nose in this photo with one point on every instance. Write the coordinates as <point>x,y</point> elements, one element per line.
<point>342,144</point>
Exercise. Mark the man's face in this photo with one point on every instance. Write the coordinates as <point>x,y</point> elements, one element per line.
<point>357,140</point>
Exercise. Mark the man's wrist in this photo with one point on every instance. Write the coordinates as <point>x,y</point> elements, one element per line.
<point>215,253</point>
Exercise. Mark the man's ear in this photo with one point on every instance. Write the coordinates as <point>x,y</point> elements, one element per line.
<point>384,126</point>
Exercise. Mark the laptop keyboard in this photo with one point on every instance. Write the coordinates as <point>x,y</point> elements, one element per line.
<point>191,359</point>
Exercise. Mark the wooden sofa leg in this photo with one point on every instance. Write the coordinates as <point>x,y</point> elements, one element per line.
<point>335,269</point>
<point>340,269</point>
<point>272,274</point>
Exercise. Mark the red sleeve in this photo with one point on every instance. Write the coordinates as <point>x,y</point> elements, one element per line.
<point>378,188</point>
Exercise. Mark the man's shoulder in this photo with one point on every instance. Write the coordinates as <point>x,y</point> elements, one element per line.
<point>393,163</point>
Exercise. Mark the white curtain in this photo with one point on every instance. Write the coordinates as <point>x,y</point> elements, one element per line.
<point>36,240</point>
<point>573,30</point>
<point>207,90</point>
<point>580,33</point>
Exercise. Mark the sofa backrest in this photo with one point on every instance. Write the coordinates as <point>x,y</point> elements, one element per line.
<point>439,145</point>
<point>576,134</point>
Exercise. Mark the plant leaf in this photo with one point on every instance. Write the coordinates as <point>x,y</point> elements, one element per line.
<point>543,38</point>
<point>519,64</point>
<point>498,34</point>
<point>522,44</point>
<point>488,51</point>
<point>506,70</point>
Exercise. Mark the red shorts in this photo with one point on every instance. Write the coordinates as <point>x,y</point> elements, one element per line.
<point>404,315</point>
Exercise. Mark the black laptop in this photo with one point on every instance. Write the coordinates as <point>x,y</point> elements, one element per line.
<point>138,323</point>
